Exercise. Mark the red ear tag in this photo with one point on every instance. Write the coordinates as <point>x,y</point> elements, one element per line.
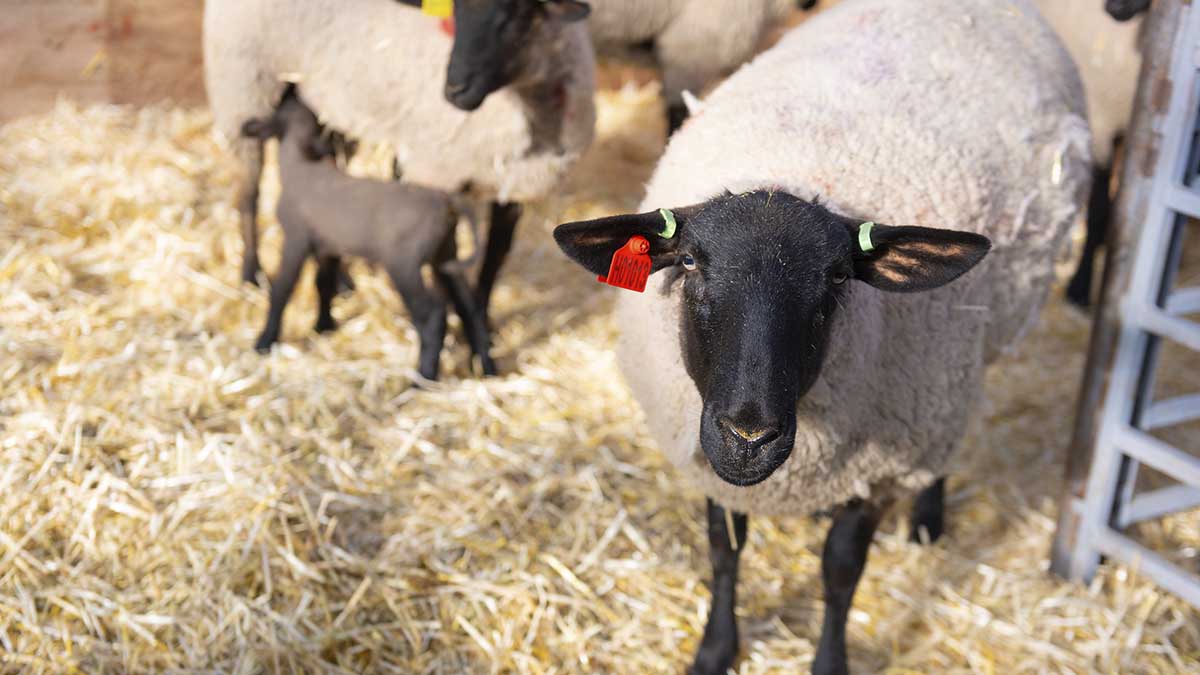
<point>630,266</point>
<point>447,26</point>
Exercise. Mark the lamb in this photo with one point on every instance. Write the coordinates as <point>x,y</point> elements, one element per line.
<point>327,215</point>
<point>1109,61</point>
<point>375,70</point>
<point>695,41</point>
<point>795,357</point>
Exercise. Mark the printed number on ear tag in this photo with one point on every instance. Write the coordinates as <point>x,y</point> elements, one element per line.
<point>443,9</point>
<point>630,266</point>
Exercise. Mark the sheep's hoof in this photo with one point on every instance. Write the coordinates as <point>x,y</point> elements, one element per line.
<point>933,524</point>
<point>326,324</point>
<point>716,661</point>
<point>263,345</point>
<point>489,367</point>
<point>1079,295</point>
<point>250,274</point>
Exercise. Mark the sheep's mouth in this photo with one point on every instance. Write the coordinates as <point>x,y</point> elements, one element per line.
<point>740,466</point>
<point>468,95</point>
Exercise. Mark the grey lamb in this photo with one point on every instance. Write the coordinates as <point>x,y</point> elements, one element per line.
<point>328,214</point>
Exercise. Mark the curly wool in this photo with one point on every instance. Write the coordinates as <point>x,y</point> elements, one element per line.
<point>696,41</point>
<point>375,71</point>
<point>1109,60</point>
<point>888,110</point>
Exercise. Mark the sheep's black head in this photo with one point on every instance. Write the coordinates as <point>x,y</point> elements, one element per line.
<point>492,41</point>
<point>1124,10</point>
<point>761,275</point>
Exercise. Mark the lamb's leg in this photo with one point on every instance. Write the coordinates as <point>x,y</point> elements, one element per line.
<point>252,155</point>
<point>929,512</point>
<point>500,238</point>
<point>719,647</point>
<point>842,563</point>
<point>428,314</point>
<point>295,251</point>
<point>474,323</point>
<point>329,268</point>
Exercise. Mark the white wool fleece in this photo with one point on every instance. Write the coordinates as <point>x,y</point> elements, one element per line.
<point>1109,61</point>
<point>375,70</point>
<point>696,41</point>
<point>961,114</point>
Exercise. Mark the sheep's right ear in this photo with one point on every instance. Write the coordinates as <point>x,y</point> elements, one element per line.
<point>592,243</point>
<point>260,128</point>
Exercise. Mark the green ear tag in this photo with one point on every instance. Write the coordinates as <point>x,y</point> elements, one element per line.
<point>864,237</point>
<point>669,224</point>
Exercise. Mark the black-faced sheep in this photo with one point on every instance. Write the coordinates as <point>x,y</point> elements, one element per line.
<point>794,357</point>
<point>381,72</point>
<point>326,215</point>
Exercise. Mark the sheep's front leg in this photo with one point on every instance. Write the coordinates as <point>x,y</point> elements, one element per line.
<point>502,229</point>
<point>929,512</point>
<point>719,647</point>
<point>428,314</point>
<point>329,270</point>
<point>842,563</point>
<point>247,200</point>
<point>295,251</point>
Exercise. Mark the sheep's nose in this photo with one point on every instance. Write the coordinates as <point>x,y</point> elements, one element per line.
<point>752,437</point>
<point>454,89</point>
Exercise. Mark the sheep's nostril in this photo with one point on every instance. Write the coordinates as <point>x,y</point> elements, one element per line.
<point>754,436</point>
<point>456,88</point>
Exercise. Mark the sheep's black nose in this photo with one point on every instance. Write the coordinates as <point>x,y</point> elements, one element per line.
<point>749,437</point>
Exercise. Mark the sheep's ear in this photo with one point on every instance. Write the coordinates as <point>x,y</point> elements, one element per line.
<point>911,259</point>
<point>567,11</point>
<point>592,243</point>
<point>261,128</point>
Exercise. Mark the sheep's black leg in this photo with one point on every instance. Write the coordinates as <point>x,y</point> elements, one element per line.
<point>428,314</point>
<point>677,114</point>
<point>500,239</point>
<point>842,564</point>
<point>247,201</point>
<point>295,251</point>
<point>328,270</point>
<point>929,511</point>
<point>1079,291</point>
<point>474,323</point>
<point>719,647</point>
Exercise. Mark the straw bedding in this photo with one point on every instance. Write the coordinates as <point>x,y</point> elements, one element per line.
<point>171,501</point>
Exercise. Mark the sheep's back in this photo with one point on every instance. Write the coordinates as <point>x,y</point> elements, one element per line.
<point>963,114</point>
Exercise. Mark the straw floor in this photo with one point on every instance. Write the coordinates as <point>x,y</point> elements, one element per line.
<point>172,501</point>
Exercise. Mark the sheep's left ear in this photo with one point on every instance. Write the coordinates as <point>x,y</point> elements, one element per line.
<point>567,11</point>
<point>911,259</point>
<point>592,243</point>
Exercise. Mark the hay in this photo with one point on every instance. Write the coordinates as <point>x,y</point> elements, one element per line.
<point>170,500</point>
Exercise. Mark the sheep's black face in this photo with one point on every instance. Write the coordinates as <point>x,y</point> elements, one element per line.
<point>1124,10</point>
<point>292,119</point>
<point>492,42</point>
<point>761,276</point>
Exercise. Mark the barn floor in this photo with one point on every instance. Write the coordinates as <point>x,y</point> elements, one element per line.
<point>170,500</point>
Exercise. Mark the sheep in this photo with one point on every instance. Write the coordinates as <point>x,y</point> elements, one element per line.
<point>795,357</point>
<point>327,214</point>
<point>1109,61</point>
<point>374,70</point>
<point>694,41</point>
<point>1124,10</point>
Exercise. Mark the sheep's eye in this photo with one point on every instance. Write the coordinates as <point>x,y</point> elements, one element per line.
<point>688,262</point>
<point>840,278</point>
